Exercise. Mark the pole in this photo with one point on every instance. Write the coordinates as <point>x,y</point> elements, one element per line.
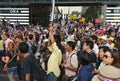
<point>53,9</point>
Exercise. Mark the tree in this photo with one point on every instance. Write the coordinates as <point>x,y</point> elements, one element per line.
<point>91,13</point>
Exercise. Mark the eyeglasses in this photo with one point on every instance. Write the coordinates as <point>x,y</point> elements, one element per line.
<point>106,56</point>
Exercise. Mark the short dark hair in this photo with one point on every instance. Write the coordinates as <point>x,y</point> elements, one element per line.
<point>89,43</point>
<point>71,44</point>
<point>83,58</point>
<point>30,36</point>
<point>23,47</point>
<point>105,48</point>
<point>94,37</point>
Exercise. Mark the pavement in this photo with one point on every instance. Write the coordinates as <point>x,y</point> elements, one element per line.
<point>4,77</point>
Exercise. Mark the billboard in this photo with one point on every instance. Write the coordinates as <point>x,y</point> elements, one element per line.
<point>15,14</point>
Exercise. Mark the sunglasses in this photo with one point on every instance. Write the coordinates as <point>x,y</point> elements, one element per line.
<point>106,56</point>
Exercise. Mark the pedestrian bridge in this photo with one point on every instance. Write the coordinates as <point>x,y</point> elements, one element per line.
<point>59,2</point>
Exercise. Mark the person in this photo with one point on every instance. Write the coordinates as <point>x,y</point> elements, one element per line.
<point>112,69</point>
<point>28,63</point>
<point>104,41</point>
<point>2,53</point>
<point>88,46</point>
<point>11,64</point>
<point>7,40</point>
<point>102,51</point>
<point>112,57</point>
<point>19,39</point>
<point>71,64</point>
<point>93,38</point>
<point>55,59</point>
<point>30,42</point>
<point>86,68</point>
<point>100,62</point>
<point>111,42</point>
<point>108,73</point>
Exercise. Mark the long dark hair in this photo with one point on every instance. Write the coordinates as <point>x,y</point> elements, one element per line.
<point>116,58</point>
<point>58,41</point>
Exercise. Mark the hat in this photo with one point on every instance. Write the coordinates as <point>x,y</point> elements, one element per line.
<point>111,38</point>
<point>103,37</point>
<point>107,72</point>
<point>70,38</point>
<point>45,40</point>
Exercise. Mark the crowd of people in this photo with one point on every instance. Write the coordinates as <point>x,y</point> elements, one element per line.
<point>70,51</point>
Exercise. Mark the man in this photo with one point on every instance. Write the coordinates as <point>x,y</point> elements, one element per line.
<point>30,42</point>
<point>88,46</point>
<point>93,38</point>
<point>104,41</point>
<point>102,51</point>
<point>71,64</point>
<point>28,63</point>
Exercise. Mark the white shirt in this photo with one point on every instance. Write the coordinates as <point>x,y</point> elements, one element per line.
<point>71,61</point>
<point>96,49</point>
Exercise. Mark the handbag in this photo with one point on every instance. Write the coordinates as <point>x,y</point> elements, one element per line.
<point>5,68</point>
<point>67,78</point>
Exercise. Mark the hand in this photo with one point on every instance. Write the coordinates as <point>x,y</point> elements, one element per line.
<point>3,58</point>
<point>51,29</point>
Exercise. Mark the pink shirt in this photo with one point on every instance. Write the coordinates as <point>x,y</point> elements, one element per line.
<point>7,42</point>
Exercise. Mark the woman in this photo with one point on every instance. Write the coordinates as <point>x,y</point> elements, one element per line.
<point>54,45</point>
<point>112,57</point>
<point>10,61</point>
<point>110,72</point>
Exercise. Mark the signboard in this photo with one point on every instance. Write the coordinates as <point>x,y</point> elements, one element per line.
<point>66,16</point>
<point>15,14</point>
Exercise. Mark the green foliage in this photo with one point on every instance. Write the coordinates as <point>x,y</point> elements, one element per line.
<point>91,13</point>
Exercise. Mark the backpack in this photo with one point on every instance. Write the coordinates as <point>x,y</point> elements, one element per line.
<point>39,74</point>
<point>33,48</point>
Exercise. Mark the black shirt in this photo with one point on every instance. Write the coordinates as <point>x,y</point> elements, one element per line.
<point>13,63</point>
<point>92,56</point>
<point>28,66</point>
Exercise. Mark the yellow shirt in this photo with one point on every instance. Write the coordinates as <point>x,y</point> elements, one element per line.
<point>112,45</point>
<point>1,45</point>
<point>54,60</point>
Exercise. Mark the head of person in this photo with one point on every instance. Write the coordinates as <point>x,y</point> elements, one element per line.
<point>111,39</point>
<point>58,40</point>
<point>103,39</point>
<point>112,57</point>
<point>88,45</point>
<point>31,36</point>
<point>23,48</point>
<point>70,46</point>
<point>6,36</point>
<point>102,50</point>
<point>83,58</point>
<point>19,38</point>
<point>93,38</point>
<point>11,46</point>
